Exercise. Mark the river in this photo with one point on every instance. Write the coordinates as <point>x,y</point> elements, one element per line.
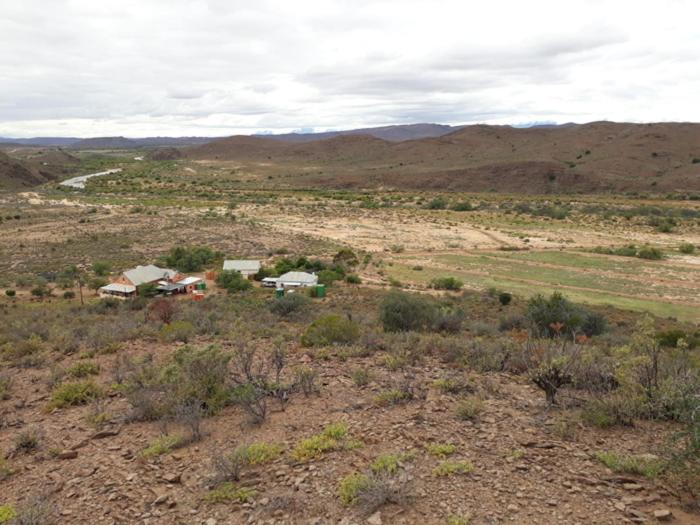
<point>79,182</point>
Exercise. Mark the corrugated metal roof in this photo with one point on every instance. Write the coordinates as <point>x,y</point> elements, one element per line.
<point>148,274</point>
<point>116,287</point>
<point>298,277</point>
<point>190,280</point>
<point>242,265</point>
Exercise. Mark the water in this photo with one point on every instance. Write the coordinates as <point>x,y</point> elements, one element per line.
<point>79,182</point>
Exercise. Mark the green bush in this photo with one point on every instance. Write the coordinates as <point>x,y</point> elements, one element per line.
<point>232,281</point>
<point>181,331</point>
<point>687,248</point>
<point>228,492</point>
<point>647,466</point>
<point>438,203</point>
<point>7,513</point>
<point>504,298</point>
<point>190,258</point>
<point>653,254</point>
<point>162,445</point>
<point>470,408</point>
<point>69,294</point>
<point>328,277</point>
<point>554,315</point>
<point>330,329</point>
<point>462,206</point>
<point>100,268</point>
<point>403,312</point>
<point>450,468</point>
<point>147,290</point>
<point>10,293</point>
<point>446,283</point>
<point>353,278</point>
<point>441,450</point>
<point>83,369</point>
<point>351,486</point>
<point>288,304</point>
<point>76,393</point>
<point>331,438</point>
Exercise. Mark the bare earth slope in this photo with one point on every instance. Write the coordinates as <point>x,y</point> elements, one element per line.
<point>17,174</point>
<point>600,156</point>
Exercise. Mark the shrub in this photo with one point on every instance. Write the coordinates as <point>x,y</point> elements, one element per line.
<point>329,439</point>
<point>450,468</point>
<point>446,283</point>
<point>76,393</point>
<point>190,258</point>
<point>162,445</point>
<point>147,290</point>
<point>346,258</point>
<point>162,310</point>
<point>28,440</point>
<point>388,463</point>
<point>402,312</point>
<point>260,453</point>
<point>504,298</point>
<point>353,278</point>
<point>232,281</point>
<point>83,369</point>
<point>288,304</point>
<point>360,376</point>
<point>451,385</point>
<point>650,253</point>
<point>551,375</point>
<point>10,293</point>
<point>462,206</point>
<point>177,331</point>
<point>36,510</point>
<point>554,315</point>
<point>5,385</point>
<point>40,291</point>
<point>328,277</point>
<point>392,396</point>
<point>438,203</point>
<point>646,465</point>
<point>470,408</point>
<point>7,513</point>
<point>305,378</point>
<point>97,282</point>
<point>687,248</point>
<point>351,486</point>
<point>228,492</point>
<point>594,324</point>
<point>610,411</point>
<point>441,450</point>
<point>69,294</point>
<point>330,329</point>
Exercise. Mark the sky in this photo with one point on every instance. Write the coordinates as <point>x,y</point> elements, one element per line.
<point>222,67</point>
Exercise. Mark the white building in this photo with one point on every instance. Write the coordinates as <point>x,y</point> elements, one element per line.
<point>247,268</point>
<point>297,279</point>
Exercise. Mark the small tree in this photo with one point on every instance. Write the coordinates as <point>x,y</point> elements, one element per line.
<point>100,268</point>
<point>162,310</point>
<point>553,316</point>
<point>232,281</point>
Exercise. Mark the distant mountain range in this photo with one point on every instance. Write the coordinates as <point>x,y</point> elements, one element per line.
<point>396,133</point>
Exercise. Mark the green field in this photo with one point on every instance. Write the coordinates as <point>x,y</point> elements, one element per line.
<point>664,288</point>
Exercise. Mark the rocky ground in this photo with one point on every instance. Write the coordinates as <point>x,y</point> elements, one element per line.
<point>526,468</point>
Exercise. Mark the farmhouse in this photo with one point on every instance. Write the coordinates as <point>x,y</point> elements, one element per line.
<point>148,274</point>
<point>297,279</point>
<point>247,268</point>
<point>166,280</point>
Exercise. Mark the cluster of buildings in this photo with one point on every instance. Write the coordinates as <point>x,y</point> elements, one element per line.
<point>171,282</point>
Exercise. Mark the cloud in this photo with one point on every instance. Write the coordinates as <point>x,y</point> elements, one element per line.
<point>198,67</point>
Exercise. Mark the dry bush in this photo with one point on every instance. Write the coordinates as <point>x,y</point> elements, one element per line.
<point>38,509</point>
<point>305,379</point>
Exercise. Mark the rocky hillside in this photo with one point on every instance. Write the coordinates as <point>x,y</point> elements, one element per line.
<point>18,174</point>
<point>600,156</point>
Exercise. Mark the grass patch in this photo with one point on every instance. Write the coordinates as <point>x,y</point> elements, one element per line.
<point>83,369</point>
<point>162,445</point>
<point>451,468</point>
<point>229,492</point>
<point>260,453</point>
<point>470,408</point>
<point>649,467</point>
<point>441,450</point>
<point>7,513</point>
<point>76,393</point>
<point>351,486</point>
<point>331,438</point>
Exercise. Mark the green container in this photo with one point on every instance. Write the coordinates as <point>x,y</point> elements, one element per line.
<point>279,292</point>
<point>320,290</point>
<point>201,286</point>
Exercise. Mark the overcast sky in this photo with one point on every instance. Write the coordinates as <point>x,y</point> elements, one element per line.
<point>221,67</point>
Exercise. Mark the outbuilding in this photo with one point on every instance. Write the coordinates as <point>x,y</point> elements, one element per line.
<point>118,290</point>
<point>247,268</point>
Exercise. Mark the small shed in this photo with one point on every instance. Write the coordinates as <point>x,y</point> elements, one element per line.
<point>190,283</point>
<point>247,268</point>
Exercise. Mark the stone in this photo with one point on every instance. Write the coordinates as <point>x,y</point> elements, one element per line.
<point>375,519</point>
<point>67,454</point>
<point>172,477</point>
<point>632,486</point>
<point>663,514</point>
<point>210,521</point>
<point>107,432</point>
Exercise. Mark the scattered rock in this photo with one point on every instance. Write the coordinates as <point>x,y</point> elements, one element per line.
<point>663,514</point>
<point>67,454</point>
<point>375,519</point>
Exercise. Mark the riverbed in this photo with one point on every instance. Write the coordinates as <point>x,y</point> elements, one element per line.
<point>79,182</point>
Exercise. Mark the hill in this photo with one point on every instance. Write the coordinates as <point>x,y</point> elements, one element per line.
<point>18,174</point>
<point>396,133</point>
<point>600,156</point>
